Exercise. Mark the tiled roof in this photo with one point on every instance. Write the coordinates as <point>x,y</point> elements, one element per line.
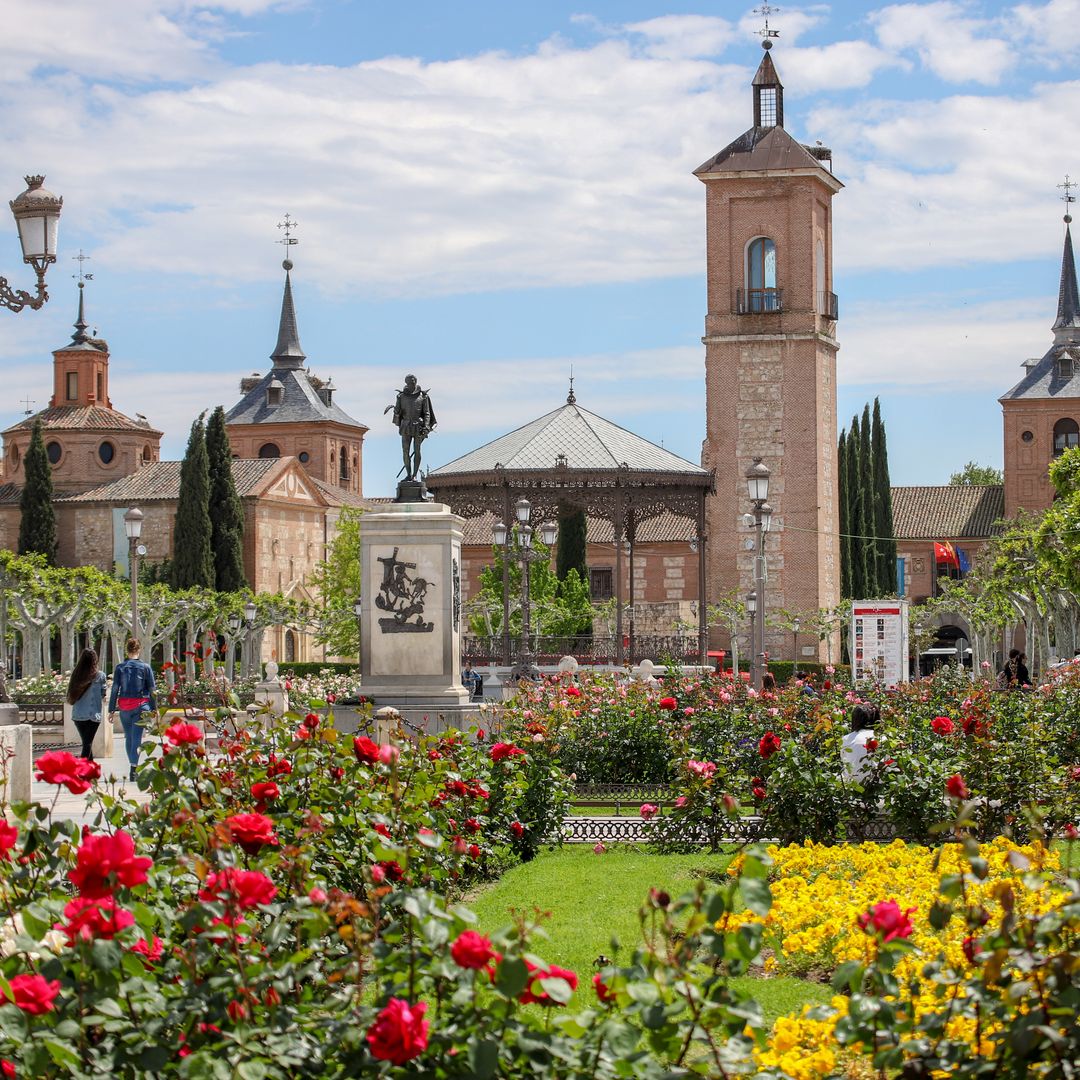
<point>947,512</point>
<point>1042,379</point>
<point>760,149</point>
<point>300,403</point>
<point>665,527</point>
<point>338,496</point>
<point>160,480</point>
<point>588,441</point>
<point>83,417</point>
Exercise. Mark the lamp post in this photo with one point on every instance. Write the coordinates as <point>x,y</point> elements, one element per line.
<point>795,627</point>
<point>751,607</point>
<point>517,541</point>
<point>234,622</point>
<point>249,622</point>
<point>37,215</point>
<point>133,520</point>
<point>757,484</point>
<point>358,611</point>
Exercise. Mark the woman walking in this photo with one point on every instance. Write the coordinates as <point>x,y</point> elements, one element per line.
<point>133,694</point>
<point>86,695</point>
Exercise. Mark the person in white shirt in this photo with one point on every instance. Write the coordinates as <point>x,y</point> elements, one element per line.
<point>853,752</point>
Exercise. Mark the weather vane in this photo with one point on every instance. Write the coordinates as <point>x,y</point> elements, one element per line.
<point>28,402</point>
<point>80,276</point>
<point>1068,197</point>
<point>571,398</point>
<point>767,34</point>
<point>288,225</point>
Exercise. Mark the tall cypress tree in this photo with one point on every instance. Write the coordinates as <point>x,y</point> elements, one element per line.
<point>572,544</point>
<point>886,545</point>
<point>845,523</point>
<point>37,524</point>
<point>869,504</point>
<point>226,513</point>
<point>856,518</point>
<point>193,559</point>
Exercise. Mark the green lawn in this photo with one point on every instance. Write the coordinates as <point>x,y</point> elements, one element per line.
<point>594,897</point>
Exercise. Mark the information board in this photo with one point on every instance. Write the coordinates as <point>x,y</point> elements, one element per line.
<point>879,641</point>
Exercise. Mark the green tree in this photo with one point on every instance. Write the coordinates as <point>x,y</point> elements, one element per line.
<point>226,513</point>
<point>37,524</point>
<point>869,505</point>
<point>843,498</point>
<point>973,474</point>
<point>856,513</point>
<point>883,524</point>
<point>573,539</point>
<point>337,581</point>
<point>193,558</point>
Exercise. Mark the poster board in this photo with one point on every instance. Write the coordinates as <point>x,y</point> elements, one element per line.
<point>878,641</point>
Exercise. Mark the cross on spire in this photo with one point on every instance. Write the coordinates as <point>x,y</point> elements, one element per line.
<point>288,225</point>
<point>28,402</point>
<point>1068,198</point>
<point>767,33</point>
<point>81,276</point>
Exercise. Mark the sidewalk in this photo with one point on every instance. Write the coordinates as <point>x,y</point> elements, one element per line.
<point>114,773</point>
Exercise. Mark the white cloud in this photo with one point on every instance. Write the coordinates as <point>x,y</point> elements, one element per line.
<point>674,37</point>
<point>930,348</point>
<point>843,65</point>
<point>955,45</point>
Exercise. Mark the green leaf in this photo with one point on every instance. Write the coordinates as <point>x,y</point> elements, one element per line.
<point>848,975</point>
<point>511,977</point>
<point>644,993</point>
<point>940,914</point>
<point>36,921</point>
<point>756,894</point>
<point>484,1058</point>
<point>61,1053</point>
<point>556,988</point>
<point>251,1070</point>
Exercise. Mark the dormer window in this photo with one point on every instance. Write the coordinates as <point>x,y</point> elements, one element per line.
<point>275,393</point>
<point>1065,367</point>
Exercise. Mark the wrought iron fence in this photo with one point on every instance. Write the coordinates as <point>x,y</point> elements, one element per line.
<point>586,649</point>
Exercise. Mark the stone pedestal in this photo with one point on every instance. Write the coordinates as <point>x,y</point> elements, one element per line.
<point>410,623</point>
<point>9,714</point>
<point>271,691</point>
<point>17,748</point>
<point>103,740</point>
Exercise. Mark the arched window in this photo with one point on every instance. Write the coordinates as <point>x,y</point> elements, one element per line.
<point>761,291</point>
<point>1066,436</point>
<point>343,458</point>
<point>269,450</point>
<point>55,452</point>
<point>290,647</point>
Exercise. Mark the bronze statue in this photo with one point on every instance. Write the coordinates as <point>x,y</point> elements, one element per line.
<point>415,419</point>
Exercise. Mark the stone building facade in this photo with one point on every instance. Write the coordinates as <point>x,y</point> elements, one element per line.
<point>770,360</point>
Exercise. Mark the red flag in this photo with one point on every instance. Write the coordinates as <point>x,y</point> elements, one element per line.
<point>945,553</point>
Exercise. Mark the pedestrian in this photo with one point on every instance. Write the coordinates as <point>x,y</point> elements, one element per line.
<point>469,677</point>
<point>1023,676</point>
<point>864,719</point>
<point>86,695</point>
<point>133,694</point>
<point>1009,677</point>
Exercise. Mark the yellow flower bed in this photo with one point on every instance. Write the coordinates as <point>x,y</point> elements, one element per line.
<point>819,892</point>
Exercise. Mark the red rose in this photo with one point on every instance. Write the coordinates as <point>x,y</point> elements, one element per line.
<point>573,691</point>
<point>381,829</point>
<point>265,791</point>
<point>236,1010</point>
<point>103,862</point>
<point>60,767</point>
<point>970,947</point>
<point>33,994</point>
<point>399,1033</point>
<point>367,752</point>
<point>956,788</point>
<point>311,721</point>
<point>668,703</point>
<point>1070,832</point>
<point>769,744</point>
<point>942,725</point>
<point>7,1069</point>
<point>758,791</point>
<point>871,745</point>
<point>151,952</point>
<point>8,837</point>
<point>887,921</point>
<point>472,951</point>
<point>90,919</point>
<point>390,868</point>
<point>603,993</point>
<point>251,831</point>
<point>517,829</point>
<point>480,734</point>
<point>278,768</point>
<point>536,994</point>
<point>474,852</point>
<point>501,750</point>
<point>317,895</point>
<point>472,825</point>
<point>183,734</point>
<point>238,890</point>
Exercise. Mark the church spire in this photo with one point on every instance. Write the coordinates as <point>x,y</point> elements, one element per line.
<point>1067,324</point>
<point>288,353</point>
<point>80,336</point>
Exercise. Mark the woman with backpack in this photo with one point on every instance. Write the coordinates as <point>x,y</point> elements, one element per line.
<point>133,694</point>
<point>85,695</point>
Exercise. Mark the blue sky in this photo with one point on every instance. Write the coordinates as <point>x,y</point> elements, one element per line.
<point>490,194</point>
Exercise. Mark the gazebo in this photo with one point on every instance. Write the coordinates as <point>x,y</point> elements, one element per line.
<point>573,458</point>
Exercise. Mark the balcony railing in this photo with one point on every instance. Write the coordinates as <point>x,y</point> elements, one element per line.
<point>828,305</point>
<point>759,301</point>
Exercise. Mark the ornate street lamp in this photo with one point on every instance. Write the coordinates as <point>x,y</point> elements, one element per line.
<point>518,545</point>
<point>795,627</point>
<point>250,612</point>
<point>358,611</point>
<point>37,215</point>
<point>133,521</point>
<point>757,485</point>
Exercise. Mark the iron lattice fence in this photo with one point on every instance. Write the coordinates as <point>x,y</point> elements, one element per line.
<point>585,649</point>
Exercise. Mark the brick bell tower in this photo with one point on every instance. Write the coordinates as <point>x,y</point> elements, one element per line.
<point>770,361</point>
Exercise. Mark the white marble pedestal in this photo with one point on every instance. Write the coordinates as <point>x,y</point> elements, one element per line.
<point>410,623</point>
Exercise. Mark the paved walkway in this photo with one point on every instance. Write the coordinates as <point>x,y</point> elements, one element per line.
<point>68,807</point>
